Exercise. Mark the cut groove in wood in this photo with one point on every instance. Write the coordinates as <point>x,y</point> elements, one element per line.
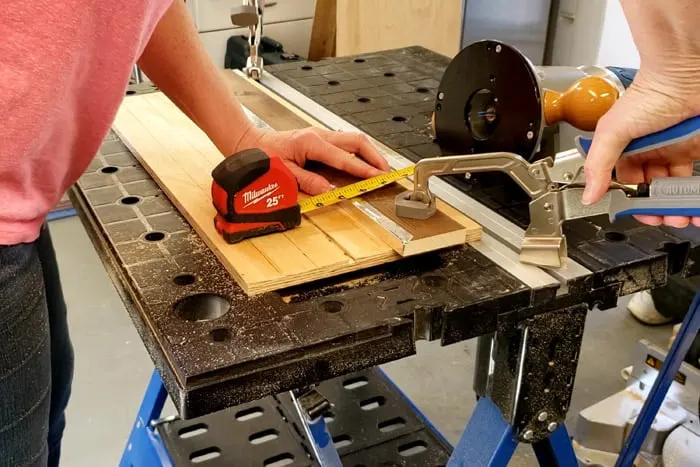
<point>329,242</point>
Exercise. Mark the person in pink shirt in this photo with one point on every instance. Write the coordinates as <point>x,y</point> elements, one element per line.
<point>64,69</point>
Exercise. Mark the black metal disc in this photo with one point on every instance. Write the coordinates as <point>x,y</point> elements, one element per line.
<point>489,100</point>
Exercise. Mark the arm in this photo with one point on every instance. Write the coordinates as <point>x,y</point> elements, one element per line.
<point>665,91</point>
<point>176,61</point>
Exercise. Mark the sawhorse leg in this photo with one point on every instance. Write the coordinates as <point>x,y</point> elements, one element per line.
<point>679,349</point>
<point>489,440</point>
<point>311,406</point>
<point>144,447</point>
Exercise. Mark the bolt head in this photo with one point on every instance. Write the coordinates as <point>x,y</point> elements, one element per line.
<point>542,416</point>
<point>498,49</point>
<point>528,435</point>
<point>530,134</point>
<point>552,427</point>
<point>441,96</point>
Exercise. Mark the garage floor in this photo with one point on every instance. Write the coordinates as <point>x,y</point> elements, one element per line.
<point>113,368</point>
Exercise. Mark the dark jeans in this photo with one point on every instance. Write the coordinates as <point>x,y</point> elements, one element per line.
<point>36,355</point>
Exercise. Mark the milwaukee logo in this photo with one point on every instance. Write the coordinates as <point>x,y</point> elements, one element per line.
<point>254,196</point>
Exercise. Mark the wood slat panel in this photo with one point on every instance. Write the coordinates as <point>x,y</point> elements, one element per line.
<point>330,241</point>
<point>196,206</point>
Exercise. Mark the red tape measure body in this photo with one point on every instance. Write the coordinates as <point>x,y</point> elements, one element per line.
<point>254,194</point>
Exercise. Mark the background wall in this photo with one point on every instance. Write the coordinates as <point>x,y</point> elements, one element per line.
<point>591,32</point>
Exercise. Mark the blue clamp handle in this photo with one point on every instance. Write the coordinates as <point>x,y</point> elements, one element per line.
<point>670,196</point>
<point>671,135</point>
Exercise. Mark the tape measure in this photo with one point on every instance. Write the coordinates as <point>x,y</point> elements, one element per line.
<point>356,189</point>
<point>255,194</point>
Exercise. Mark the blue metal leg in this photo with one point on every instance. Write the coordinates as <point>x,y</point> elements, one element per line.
<point>144,447</point>
<point>317,432</point>
<point>488,440</point>
<point>557,449</point>
<point>679,349</point>
<point>60,214</point>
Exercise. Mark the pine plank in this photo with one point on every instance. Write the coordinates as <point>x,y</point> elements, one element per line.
<point>329,242</point>
<point>316,245</point>
<point>356,241</point>
<point>196,206</point>
<point>448,227</point>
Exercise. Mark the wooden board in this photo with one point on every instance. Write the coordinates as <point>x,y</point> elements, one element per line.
<point>329,242</point>
<point>364,26</point>
<point>322,42</point>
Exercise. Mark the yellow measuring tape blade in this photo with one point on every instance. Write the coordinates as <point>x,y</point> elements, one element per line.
<point>354,190</point>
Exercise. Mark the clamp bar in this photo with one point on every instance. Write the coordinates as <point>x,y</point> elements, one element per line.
<point>503,236</point>
<point>250,15</point>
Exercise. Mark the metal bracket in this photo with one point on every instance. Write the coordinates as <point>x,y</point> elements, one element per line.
<point>311,406</point>
<point>250,15</point>
<point>529,372</point>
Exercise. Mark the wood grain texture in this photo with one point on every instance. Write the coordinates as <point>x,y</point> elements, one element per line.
<point>364,26</point>
<point>322,43</point>
<point>329,242</point>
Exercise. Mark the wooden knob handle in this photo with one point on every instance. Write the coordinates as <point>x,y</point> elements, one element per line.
<point>582,104</point>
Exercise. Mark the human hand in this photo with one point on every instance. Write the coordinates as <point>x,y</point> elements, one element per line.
<point>646,107</point>
<point>665,91</point>
<point>350,152</point>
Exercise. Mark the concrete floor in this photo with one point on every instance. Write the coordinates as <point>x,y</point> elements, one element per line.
<point>113,368</point>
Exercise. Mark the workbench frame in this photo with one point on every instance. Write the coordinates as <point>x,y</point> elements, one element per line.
<point>156,261</point>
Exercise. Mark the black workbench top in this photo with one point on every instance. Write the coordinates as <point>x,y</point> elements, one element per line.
<point>174,287</point>
<point>391,96</point>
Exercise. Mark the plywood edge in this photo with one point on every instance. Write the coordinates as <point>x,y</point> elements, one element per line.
<point>337,270</point>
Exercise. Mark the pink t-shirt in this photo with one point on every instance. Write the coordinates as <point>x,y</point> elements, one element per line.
<point>64,68</point>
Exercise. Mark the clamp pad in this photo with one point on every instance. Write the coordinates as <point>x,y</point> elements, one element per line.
<point>407,206</point>
<point>244,15</point>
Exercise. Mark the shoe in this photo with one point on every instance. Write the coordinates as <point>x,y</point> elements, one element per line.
<point>676,328</point>
<point>642,307</point>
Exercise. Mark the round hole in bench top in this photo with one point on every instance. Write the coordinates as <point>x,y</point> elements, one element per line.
<point>184,279</point>
<point>130,200</point>
<point>220,334</point>
<point>110,169</point>
<point>615,236</point>
<point>422,90</point>
<point>398,118</point>
<point>154,236</point>
<point>364,100</point>
<point>332,306</point>
<point>389,74</point>
<point>307,68</point>
<point>334,83</point>
<point>130,92</point>
<point>202,307</point>
<point>359,60</point>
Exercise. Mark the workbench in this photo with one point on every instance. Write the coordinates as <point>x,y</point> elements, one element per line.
<point>177,292</point>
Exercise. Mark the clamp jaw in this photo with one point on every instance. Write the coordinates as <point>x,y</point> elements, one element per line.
<point>250,14</point>
<point>556,188</point>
